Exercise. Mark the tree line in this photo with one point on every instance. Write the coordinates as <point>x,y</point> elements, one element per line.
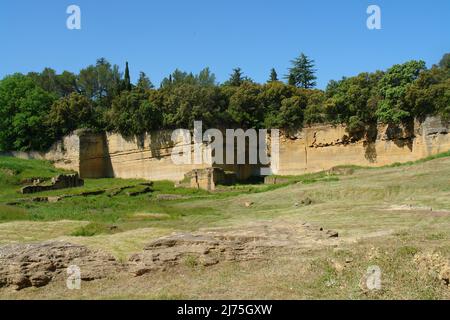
<point>36,109</point>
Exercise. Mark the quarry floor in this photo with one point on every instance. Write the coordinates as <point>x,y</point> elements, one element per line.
<point>315,238</point>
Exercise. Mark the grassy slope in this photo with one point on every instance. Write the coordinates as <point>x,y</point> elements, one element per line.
<point>363,207</point>
<point>13,172</point>
<point>121,210</point>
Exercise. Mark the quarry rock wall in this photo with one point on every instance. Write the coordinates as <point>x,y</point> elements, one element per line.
<point>147,157</point>
<point>64,154</point>
<point>322,147</point>
<point>312,149</point>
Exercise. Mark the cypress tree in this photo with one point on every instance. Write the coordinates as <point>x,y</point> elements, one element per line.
<point>273,75</point>
<point>127,78</point>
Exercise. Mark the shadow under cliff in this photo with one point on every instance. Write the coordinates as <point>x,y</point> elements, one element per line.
<point>107,163</point>
<point>402,135</point>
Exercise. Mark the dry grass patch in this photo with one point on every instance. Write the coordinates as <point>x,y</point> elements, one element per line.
<point>146,215</point>
<point>29,231</point>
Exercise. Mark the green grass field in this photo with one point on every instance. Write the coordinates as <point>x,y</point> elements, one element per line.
<point>385,216</point>
<point>120,210</point>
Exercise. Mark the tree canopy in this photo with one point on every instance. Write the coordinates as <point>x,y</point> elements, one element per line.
<point>38,108</point>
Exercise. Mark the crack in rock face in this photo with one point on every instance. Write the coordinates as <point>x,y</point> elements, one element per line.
<point>35,265</point>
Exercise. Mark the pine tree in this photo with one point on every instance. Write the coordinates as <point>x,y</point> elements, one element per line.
<point>144,82</point>
<point>291,80</point>
<point>236,78</point>
<point>302,72</point>
<point>206,78</point>
<point>273,75</point>
<point>127,80</point>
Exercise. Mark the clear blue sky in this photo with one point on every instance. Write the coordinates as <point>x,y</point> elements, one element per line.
<point>256,35</point>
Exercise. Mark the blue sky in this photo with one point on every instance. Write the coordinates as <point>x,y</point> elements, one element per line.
<point>256,35</point>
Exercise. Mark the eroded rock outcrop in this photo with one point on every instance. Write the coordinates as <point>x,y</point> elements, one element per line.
<point>35,265</point>
<point>212,246</point>
<point>62,181</point>
<point>207,178</point>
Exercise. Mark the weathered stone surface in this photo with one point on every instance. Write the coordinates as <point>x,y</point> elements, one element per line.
<point>64,154</point>
<point>35,265</point>
<point>168,197</point>
<point>322,147</point>
<point>213,246</point>
<point>206,250</point>
<point>341,171</point>
<point>63,181</point>
<point>144,188</point>
<point>313,149</point>
<point>332,234</point>
<point>207,178</point>
<point>248,204</point>
<point>275,180</point>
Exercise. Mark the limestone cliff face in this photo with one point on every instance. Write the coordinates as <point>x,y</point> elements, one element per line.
<point>313,149</point>
<point>103,155</point>
<point>147,156</point>
<point>64,154</point>
<point>322,147</point>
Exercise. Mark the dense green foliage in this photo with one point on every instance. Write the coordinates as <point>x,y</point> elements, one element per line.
<point>23,107</point>
<point>38,108</point>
